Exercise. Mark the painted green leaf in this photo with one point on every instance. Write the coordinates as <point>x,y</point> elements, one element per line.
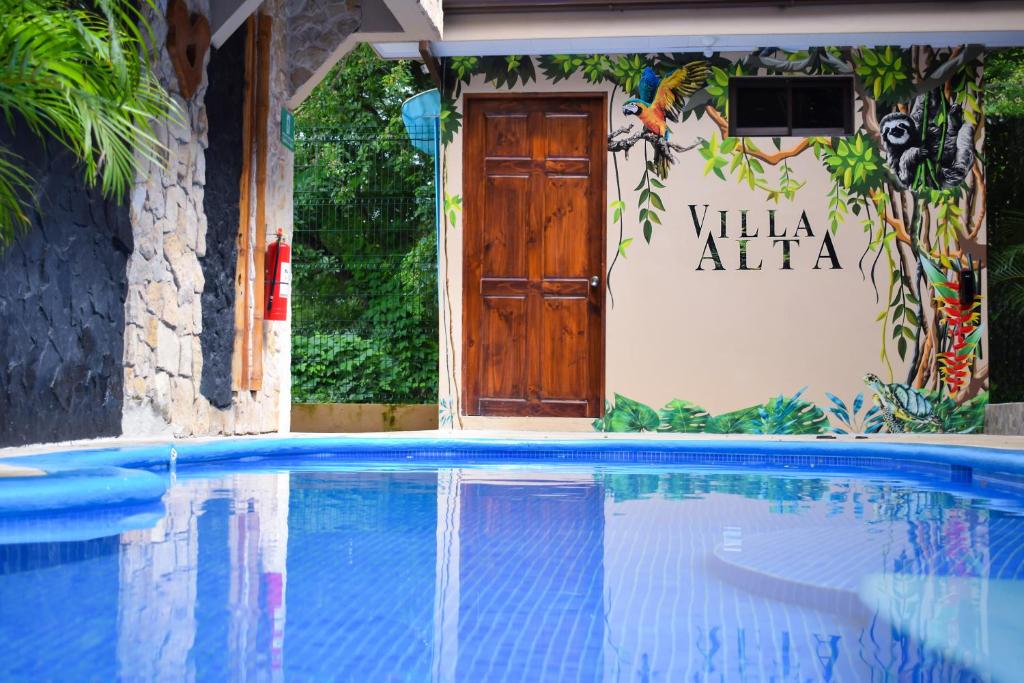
<point>937,278</point>
<point>683,416</point>
<point>788,415</point>
<point>623,245</point>
<point>631,416</point>
<point>734,422</point>
<point>617,208</point>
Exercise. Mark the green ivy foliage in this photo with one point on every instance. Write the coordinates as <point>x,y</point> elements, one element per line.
<point>1004,136</point>
<point>1004,83</point>
<point>364,274</point>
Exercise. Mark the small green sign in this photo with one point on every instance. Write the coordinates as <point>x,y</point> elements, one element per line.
<point>287,129</point>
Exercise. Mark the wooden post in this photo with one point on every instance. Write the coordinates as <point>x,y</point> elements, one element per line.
<point>240,352</point>
<point>262,152</point>
<point>432,66</point>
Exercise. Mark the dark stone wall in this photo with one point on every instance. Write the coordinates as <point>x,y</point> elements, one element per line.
<point>62,294</point>
<point>224,98</point>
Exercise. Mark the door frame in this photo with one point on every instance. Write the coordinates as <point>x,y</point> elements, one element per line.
<point>469,211</point>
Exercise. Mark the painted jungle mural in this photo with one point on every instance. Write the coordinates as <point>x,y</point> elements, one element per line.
<point>911,178</point>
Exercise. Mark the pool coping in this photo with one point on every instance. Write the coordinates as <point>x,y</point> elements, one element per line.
<point>1006,457</point>
<point>118,472</point>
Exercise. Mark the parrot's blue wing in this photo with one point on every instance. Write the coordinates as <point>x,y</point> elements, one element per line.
<point>648,87</point>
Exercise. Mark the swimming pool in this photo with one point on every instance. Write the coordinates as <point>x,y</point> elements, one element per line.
<point>355,560</point>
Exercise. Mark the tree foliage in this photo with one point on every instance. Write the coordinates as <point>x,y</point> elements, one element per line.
<point>365,284</point>
<point>79,73</point>
<point>1004,136</point>
<point>1004,88</point>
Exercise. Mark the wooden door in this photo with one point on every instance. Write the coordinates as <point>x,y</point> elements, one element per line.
<point>533,259</point>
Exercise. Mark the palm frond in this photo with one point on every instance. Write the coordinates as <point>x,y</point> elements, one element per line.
<point>82,77</point>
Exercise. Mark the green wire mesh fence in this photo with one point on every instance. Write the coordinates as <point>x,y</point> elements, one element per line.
<point>364,307</point>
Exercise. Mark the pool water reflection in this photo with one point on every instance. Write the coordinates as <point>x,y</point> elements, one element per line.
<point>320,572</point>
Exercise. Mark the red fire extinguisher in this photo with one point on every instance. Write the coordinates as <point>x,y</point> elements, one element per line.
<point>277,274</point>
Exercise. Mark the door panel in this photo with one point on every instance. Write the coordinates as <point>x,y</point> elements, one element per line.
<point>503,341</point>
<point>564,328</point>
<point>505,215</point>
<point>568,135</point>
<point>533,182</point>
<point>565,227</point>
<point>508,135</point>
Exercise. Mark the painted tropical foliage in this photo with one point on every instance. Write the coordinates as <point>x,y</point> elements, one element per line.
<point>911,178</point>
<point>779,415</point>
<point>896,408</point>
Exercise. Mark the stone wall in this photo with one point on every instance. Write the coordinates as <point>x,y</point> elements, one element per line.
<point>1006,419</point>
<point>120,319</point>
<point>316,29</point>
<point>225,99</point>
<point>164,362</point>
<point>62,294</point>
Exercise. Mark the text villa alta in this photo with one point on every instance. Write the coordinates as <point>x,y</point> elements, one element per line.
<point>756,246</point>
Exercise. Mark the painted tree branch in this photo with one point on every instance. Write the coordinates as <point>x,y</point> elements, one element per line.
<point>924,368</point>
<point>871,125</point>
<point>660,144</point>
<point>946,70</point>
<point>896,224</point>
<point>771,159</point>
<point>816,57</point>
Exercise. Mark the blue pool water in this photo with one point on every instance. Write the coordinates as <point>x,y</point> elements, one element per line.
<point>314,570</point>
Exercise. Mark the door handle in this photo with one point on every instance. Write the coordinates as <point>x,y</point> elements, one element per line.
<point>595,281</point>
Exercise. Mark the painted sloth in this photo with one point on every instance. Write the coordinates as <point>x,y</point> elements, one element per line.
<point>924,153</point>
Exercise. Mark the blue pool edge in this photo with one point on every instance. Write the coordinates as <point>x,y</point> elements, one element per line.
<point>134,474</point>
<point>681,451</point>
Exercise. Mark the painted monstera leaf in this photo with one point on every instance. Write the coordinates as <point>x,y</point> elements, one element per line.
<point>964,418</point>
<point>734,422</point>
<point>682,416</point>
<point>627,415</point>
<point>789,415</point>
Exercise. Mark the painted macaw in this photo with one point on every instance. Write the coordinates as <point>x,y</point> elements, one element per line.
<point>661,100</point>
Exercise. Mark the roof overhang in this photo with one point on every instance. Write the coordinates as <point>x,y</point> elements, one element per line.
<point>720,28</point>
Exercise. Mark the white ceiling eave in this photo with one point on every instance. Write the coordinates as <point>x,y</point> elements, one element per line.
<point>996,24</point>
<point>726,43</point>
